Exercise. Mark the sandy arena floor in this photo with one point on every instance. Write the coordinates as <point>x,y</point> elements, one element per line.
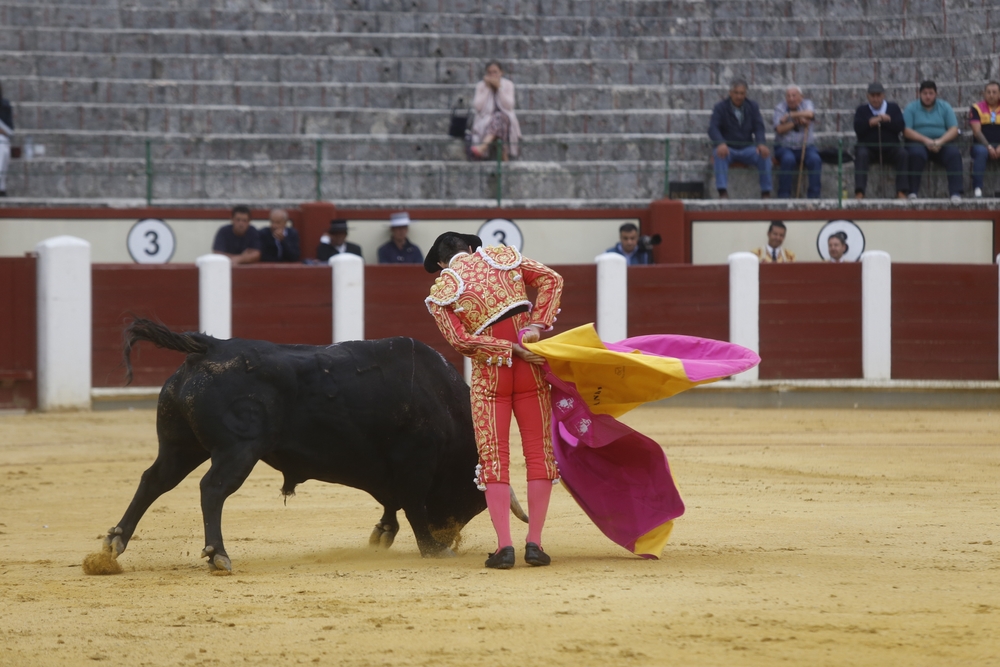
<point>811,538</point>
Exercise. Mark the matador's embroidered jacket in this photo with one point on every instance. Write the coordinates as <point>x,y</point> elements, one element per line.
<point>477,290</point>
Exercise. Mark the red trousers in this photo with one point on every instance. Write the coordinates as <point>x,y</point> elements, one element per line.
<point>498,390</point>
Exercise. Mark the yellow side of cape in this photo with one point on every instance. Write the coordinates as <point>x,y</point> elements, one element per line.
<point>611,383</point>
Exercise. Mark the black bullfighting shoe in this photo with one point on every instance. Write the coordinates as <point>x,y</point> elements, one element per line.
<point>502,559</point>
<point>533,555</point>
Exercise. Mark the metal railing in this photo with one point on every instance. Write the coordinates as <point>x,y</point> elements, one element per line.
<point>404,167</point>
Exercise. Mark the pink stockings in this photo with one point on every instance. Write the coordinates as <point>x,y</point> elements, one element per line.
<point>498,503</point>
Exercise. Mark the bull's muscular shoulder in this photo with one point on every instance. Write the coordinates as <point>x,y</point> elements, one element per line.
<point>501,256</point>
<point>446,289</point>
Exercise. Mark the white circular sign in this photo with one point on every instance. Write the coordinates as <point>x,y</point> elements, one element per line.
<point>855,240</point>
<point>151,241</point>
<point>501,231</point>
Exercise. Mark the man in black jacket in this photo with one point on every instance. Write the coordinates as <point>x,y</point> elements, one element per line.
<point>737,132</point>
<point>335,242</point>
<point>279,242</point>
<point>878,125</point>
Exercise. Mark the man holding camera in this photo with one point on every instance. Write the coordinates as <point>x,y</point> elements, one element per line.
<point>635,249</point>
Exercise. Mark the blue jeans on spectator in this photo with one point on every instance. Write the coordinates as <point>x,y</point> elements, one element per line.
<point>788,159</point>
<point>979,158</point>
<point>748,156</point>
<point>949,156</point>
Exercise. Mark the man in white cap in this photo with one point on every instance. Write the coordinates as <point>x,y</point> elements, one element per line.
<point>399,250</point>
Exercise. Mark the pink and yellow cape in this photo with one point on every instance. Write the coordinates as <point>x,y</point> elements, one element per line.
<point>619,476</point>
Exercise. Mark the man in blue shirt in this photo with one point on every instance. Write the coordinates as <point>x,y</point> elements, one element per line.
<point>238,241</point>
<point>738,133</point>
<point>399,250</point>
<point>629,248</point>
<point>930,125</point>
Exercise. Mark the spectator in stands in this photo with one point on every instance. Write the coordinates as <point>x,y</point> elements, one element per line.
<point>630,248</point>
<point>280,242</point>
<point>6,132</point>
<point>399,250</point>
<point>773,252</point>
<point>793,120</point>
<point>738,134</point>
<point>836,244</point>
<point>335,242</point>
<point>495,117</point>
<point>985,134</point>
<point>238,241</point>
<point>878,125</point>
<point>930,126</point>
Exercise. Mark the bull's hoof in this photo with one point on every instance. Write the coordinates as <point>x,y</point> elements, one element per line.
<point>438,551</point>
<point>383,536</point>
<point>217,562</point>
<point>113,543</point>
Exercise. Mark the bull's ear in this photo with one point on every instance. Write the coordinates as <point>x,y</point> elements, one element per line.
<point>251,359</point>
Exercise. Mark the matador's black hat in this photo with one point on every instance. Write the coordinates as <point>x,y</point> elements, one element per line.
<point>431,259</point>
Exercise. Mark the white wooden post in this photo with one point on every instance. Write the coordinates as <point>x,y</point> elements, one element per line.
<point>215,295</point>
<point>64,324</point>
<point>612,297</point>
<point>348,297</point>
<point>997,263</point>
<point>744,306</point>
<point>876,315</point>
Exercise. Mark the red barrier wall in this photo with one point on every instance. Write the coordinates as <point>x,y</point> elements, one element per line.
<point>283,303</point>
<point>810,321</point>
<point>394,306</point>
<point>579,298</point>
<point>165,293</point>
<point>679,299</point>
<point>18,334</point>
<point>944,322</point>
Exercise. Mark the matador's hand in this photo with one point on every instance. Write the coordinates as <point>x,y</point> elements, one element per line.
<point>531,334</point>
<point>528,355</point>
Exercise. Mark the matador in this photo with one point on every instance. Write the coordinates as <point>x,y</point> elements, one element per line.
<point>481,306</point>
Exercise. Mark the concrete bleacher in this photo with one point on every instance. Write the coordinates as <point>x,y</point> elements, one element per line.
<point>248,99</point>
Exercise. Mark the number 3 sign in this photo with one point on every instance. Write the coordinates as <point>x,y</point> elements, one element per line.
<point>501,231</point>
<point>151,241</point>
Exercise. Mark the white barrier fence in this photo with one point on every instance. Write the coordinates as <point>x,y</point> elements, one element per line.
<point>64,311</point>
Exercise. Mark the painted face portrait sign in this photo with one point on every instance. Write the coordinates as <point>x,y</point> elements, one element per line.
<point>847,238</point>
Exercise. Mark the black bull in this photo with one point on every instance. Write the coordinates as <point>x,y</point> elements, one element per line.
<point>390,417</point>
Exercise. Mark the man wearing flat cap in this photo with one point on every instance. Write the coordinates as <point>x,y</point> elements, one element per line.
<point>878,125</point>
<point>335,242</point>
<point>399,250</point>
<point>480,304</point>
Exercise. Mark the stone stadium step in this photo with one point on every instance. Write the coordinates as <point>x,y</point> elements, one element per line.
<point>685,21</point>
<point>393,95</point>
<point>118,178</point>
<point>704,72</point>
<point>296,179</point>
<point>353,147</point>
<point>528,47</point>
<point>208,119</point>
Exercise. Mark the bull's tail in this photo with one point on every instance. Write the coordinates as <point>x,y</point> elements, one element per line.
<point>161,336</point>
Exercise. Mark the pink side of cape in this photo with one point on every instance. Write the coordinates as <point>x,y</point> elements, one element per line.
<point>619,477</point>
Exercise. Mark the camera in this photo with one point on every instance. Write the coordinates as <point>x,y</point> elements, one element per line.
<point>647,242</point>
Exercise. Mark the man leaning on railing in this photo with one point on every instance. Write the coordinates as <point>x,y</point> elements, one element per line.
<point>738,134</point>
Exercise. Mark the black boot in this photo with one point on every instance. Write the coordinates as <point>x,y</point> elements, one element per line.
<point>533,555</point>
<point>502,559</point>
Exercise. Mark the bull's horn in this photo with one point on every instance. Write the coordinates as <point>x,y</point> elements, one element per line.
<point>515,507</point>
